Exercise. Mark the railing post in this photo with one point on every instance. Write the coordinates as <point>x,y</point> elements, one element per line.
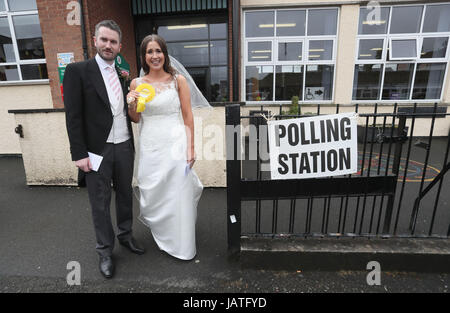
<point>233,140</point>
<point>395,170</point>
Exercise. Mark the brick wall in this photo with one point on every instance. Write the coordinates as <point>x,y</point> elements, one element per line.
<point>120,12</point>
<point>59,36</point>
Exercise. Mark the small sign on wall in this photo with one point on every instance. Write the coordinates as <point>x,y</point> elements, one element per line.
<point>63,60</point>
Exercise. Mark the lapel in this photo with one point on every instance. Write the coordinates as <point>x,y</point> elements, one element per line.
<point>97,81</point>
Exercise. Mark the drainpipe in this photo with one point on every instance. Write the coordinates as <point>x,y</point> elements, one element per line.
<point>235,52</point>
<point>83,31</point>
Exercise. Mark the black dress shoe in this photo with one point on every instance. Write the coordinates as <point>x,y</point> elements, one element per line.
<point>132,245</point>
<point>107,267</point>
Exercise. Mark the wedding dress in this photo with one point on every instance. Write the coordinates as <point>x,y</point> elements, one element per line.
<point>169,190</point>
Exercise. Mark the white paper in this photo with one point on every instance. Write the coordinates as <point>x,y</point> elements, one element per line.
<point>187,169</point>
<point>96,160</point>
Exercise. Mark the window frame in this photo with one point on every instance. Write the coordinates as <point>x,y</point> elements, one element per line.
<point>18,62</point>
<point>416,39</point>
<point>416,61</point>
<point>275,40</point>
<point>370,61</point>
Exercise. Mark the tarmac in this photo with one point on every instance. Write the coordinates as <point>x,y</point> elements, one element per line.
<point>42,229</point>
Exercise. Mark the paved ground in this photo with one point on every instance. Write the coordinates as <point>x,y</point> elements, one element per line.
<point>44,228</point>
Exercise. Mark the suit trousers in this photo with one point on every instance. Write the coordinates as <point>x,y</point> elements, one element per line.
<point>116,167</point>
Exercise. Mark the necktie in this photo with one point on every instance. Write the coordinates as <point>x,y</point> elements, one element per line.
<point>114,82</point>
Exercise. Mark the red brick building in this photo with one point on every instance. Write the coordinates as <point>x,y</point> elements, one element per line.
<point>63,31</point>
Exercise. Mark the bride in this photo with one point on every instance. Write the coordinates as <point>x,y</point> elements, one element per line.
<point>169,189</point>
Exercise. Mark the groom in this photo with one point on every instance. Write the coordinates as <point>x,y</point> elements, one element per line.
<point>97,121</point>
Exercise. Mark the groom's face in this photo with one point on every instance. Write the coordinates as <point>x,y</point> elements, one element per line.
<point>107,43</point>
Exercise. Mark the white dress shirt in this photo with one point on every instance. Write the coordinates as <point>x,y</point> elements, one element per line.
<point>119,131</point>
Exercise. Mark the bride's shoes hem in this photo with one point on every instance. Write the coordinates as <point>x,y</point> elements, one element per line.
<point>143,221</point>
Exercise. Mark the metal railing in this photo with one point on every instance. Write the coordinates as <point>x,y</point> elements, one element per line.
<point>397,171</point>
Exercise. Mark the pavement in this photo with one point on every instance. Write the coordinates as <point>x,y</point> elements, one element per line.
<point>42,229</point>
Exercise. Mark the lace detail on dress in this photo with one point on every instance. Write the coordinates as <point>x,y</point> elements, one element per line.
<point>160,86</point>
<point>166,100</point>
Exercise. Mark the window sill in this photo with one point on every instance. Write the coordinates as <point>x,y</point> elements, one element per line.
<point>25,82</point>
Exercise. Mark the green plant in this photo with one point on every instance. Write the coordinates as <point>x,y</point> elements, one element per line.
<point>294,108</point>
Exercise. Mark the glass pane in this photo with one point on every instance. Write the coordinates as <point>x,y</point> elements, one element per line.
<point>370,49</point>
<point>290,51</point>
<point>322,22</point>
<point>320,50</point>
<point>196,30</point>
<point>22,5</point>
<point>2,6</point>
<point>9,73</point>
<point>404,48</point>
<point>218,31</point>
<point>219,84</point>
<point>190,53</point>
<point>29,37</point>
<point>6,46</point>
<point>319,82</point>
<point>200,77</point>
<point>397,81</point>
<point>34,71</point>
<point>371,23</point>
<point>434,47</point>
<point>429,81</point>
<point>291,23</point>
<point>219,52</point>
<point>367,81</point>
<point>437,18</point>
<point>259,83</point>
<point>260,51</point>
<point>259,24</point>
<point>288,82</point>
<point>406,19</point>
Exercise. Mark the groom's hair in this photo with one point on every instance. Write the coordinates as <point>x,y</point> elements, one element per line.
<point>162,43</point>
<point>111,25</point>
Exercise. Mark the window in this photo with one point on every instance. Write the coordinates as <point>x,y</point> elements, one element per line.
<point>403,49</point>
<point>290,52</point>
<point>403,55</point>
<point>22,56</point>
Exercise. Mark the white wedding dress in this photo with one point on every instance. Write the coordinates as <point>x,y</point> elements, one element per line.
<point>168,190</point>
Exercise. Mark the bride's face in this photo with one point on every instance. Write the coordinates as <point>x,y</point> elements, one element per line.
<point>154,56</point>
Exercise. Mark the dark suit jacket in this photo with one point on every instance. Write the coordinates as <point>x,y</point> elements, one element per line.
<point>88,112</point>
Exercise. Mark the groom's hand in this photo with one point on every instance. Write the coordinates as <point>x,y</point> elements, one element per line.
<point>84,165</point>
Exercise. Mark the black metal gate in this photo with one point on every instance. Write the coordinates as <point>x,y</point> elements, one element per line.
<point>396,192</point>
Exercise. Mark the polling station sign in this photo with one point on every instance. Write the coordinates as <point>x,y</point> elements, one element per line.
<point>308,147</point>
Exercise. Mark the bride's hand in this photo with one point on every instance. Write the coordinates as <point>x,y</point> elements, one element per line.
<point>191,158</point>
<point>131,100</point>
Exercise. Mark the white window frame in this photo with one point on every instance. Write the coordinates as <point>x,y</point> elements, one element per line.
<point>366,61</point>
<point>418,60</point>
<point>416,39</point>
<point>18,63</point>
<point>432,60</point>
<point>289,62</point>
<point>304,62</point>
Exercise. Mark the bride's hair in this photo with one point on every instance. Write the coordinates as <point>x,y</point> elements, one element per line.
<point>162,43</point>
